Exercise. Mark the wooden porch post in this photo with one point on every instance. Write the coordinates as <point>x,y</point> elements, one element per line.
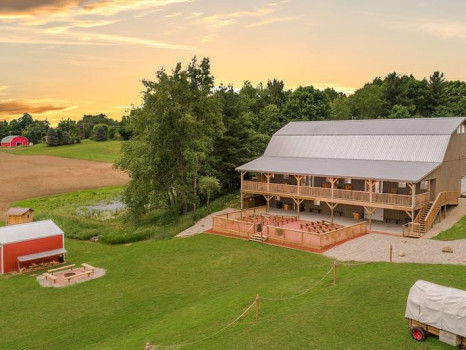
<point>332,206</point>
<point>267,198</point>
<point>370,211</point>
<point>298,203</point>
<point>268,181</point>
<point>298,180</point>
<point>242,179</point>
<point>412,186</point>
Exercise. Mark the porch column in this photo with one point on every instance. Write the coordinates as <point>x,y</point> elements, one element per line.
<point>412,186</point>
<point>298,180</point>
<point>332,185</point>
<point>268,181</point>
<point>242,179</point>
<point>268,198</point>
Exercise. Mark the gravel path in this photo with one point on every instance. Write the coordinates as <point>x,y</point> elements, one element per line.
<point>376,247</point>
<point>202,225</point>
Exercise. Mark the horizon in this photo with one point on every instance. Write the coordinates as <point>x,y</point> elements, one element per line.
<point>67,58</point>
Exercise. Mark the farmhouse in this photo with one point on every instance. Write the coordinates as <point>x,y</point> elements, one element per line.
<point>402,171</point>
<point>15,216</point>
<point>35,242</point>
<point>14,141</point>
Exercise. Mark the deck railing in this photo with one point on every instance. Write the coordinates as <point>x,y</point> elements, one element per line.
<point>326,193</point>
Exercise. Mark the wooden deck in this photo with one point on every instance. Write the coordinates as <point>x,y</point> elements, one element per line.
<point>350,197</point>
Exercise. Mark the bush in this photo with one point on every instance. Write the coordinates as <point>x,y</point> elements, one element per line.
<point>100,132</point>
<point>52,138</point>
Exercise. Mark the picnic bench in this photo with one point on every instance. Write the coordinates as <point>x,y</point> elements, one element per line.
<point>67,267</point>
<point>88,267</point>
<point>50,277</point>
<point>88,273</point>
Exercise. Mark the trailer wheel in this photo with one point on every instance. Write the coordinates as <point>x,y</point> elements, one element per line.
<point>419,334</point>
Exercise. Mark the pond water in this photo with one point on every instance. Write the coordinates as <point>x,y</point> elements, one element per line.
<point>102,210</point>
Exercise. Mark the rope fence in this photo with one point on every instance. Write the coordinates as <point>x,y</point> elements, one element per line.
<point>256,304</point>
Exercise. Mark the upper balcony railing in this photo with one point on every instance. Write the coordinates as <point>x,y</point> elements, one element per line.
<point>338,194</point>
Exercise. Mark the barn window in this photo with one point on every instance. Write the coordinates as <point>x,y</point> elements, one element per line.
<point>424,185</point>
<point>402,184</point>
<point>286,176</point>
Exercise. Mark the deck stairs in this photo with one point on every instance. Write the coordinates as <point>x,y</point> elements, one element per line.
<point>256,237</point>
<point>426,217</point>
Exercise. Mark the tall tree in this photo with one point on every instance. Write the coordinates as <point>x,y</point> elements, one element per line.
<point>307,103</point>
<point>173,135</point>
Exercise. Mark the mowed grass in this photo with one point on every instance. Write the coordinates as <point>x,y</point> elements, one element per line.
<point>457,231</point>
<point>183,290</point>
<point>106,151</point>
<point>69,212</point>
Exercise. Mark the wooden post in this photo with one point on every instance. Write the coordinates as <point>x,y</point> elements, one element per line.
<point>334,273</point>
<point>257,307</point>
<point>268,181</point>
<point>242,179</point>
<point>391,252</point>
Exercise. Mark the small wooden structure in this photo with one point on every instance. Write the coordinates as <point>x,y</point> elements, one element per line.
<point>16,216</point>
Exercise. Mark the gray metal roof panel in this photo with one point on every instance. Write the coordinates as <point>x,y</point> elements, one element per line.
<point>26,232</point>
<point>411,126</point>
<point>364,169</point>
<point>8,139</point>
<point>411,148</point>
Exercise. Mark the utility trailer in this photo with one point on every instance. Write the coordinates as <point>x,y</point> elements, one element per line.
<point>438,310</point>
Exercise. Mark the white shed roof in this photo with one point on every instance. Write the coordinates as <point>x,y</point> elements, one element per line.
<point>29,231</point>
<point>8,139</point>
<point>385,149</point>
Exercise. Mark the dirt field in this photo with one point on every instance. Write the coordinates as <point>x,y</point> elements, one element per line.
<point>23,177</point>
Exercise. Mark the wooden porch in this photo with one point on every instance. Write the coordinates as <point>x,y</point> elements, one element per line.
<point>340,196</point>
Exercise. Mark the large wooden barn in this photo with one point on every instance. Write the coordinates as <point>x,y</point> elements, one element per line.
<point>35,242</point>
<point>14,141</point>
<point>403,171</point>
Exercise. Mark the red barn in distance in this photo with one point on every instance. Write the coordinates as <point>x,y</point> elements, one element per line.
<point>14,141</point>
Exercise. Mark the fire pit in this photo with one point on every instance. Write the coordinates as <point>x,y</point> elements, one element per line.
<point>68,274</point>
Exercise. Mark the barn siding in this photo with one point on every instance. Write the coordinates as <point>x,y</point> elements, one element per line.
<point>12,250</point>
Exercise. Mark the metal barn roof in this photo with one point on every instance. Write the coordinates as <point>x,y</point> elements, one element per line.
<point>26,232</point>
<point>385,149</point>
<point>411,126</point>
<point>363,169</point>
<point>8,139</point>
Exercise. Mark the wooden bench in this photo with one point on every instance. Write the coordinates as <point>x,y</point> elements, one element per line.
<point>51,277</point>
<point>88,267</point>
<point>69,278</point>
<point>67,267</point>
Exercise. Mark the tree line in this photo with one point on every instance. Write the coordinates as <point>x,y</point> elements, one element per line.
<point>97,127</point>
<point>188,132</point>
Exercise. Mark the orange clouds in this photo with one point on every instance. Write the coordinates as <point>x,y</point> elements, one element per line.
<point>10,109</point>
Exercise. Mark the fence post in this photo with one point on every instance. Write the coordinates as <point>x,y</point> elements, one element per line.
<point>334,273</point>
<point>257,307</point>
<point>391,252</point>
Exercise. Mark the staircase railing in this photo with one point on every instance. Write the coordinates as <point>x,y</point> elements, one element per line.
<point>443,198</point>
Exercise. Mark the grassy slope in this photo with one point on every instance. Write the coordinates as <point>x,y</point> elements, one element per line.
<point>183,289</point>
<point>90,150</point>
<point>457,231</point>
<point>158,225</point>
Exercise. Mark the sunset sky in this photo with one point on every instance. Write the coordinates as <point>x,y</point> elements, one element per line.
<point>66,58</point>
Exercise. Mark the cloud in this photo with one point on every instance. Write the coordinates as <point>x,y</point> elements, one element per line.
<point>434,27</point>
<point>27,35</point>
<point>348,90</point>
<point>3,89</point>
<point>16,107</point>
<point>11,9</point>
<point>273,20</point>
<point>173,15</point>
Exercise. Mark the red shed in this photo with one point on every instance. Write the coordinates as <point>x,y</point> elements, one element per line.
<point>34,242</point>
<point>14,141</point>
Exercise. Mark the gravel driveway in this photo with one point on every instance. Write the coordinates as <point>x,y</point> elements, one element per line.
<point>376,247</point>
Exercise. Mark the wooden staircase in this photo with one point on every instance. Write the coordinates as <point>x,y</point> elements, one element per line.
<point>257,237</point>
<point>425,218</point>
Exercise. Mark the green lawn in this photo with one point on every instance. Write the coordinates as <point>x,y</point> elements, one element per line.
<point>90,150</point>
<point>181,290</point>
<point>457,231</point>
<point>160,224</point>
